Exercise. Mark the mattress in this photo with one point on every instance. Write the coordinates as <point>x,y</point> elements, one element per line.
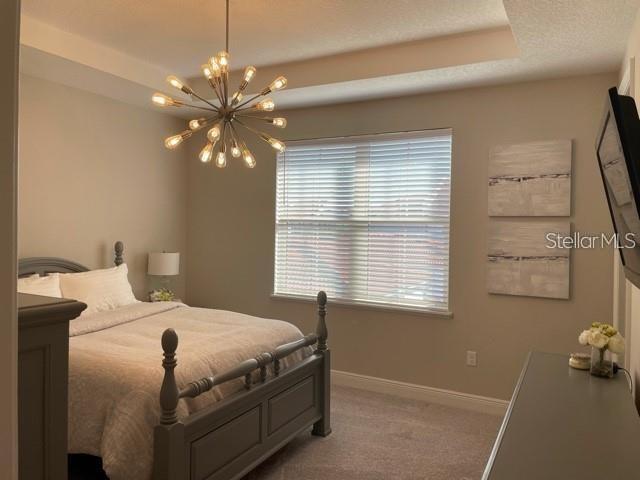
<point>115,373</point>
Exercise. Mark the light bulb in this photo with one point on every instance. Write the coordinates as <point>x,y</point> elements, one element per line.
<point>267,105</point>
<point>162,100</point>
<point>249,161</point>
<point>175,140</point>
<point>214,133</point>
<point>278,84</point>
<point>175,82</point>
<point>235,150</point>
<point>223,60</point>
<point>206,153</point>
<point>237,98</point>
<point>279,122</point>
<point>277,144</point>
<point>221,159</point>
<point>207,71</point>
<point>215,67</point>
<point>197,124</point>
<point>249,73</point>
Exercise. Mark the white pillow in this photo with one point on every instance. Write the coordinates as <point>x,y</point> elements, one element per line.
<point>48,286</point>
<point>100,289</point>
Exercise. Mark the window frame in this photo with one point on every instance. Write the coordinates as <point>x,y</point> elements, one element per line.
<point>371,305</point>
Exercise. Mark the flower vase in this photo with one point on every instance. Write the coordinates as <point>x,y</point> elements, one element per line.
<point>601,362</point>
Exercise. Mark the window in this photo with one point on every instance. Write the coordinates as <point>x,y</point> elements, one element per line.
<point>366,219</point>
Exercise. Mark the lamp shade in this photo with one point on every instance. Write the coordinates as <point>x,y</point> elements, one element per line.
<point>164,263</point>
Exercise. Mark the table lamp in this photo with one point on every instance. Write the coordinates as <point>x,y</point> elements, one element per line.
<point>165,265</point>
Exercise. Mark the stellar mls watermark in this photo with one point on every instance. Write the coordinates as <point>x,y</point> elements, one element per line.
<point>598,240</point>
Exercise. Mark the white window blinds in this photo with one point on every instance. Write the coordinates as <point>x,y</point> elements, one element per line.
<point>366,219</point>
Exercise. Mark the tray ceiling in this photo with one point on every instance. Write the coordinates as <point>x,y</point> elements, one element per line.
<point>179,35</point>
<point>331,50</point>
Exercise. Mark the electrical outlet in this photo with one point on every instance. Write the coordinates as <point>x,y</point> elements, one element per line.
<point>472,358</point>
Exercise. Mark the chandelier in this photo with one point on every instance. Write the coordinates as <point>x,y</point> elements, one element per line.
<point>229,115</point>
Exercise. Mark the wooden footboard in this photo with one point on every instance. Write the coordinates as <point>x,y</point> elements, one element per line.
<point>231,437</point>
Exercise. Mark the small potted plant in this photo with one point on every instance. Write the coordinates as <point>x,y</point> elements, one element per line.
<point>604,340</point>
<point>161,295</point>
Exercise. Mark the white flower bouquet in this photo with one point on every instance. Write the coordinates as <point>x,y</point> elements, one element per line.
<point>603,338</point>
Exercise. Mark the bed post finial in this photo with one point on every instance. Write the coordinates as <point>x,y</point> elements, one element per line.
<point>321,329</point>
<point>169,393</point>
<point>118,249</point>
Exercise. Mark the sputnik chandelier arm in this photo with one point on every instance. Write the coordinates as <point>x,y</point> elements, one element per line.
<point>230,110</point>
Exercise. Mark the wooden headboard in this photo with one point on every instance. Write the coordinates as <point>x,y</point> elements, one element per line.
<point>45,265</point>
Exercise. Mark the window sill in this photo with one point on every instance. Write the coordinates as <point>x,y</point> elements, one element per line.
<point>368,306</point>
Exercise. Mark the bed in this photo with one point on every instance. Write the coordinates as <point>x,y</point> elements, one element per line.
<point>244,387</point>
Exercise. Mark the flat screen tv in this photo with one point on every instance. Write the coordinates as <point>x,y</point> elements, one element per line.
<point>618,151</point>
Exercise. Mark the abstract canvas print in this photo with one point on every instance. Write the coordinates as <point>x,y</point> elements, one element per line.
<point>521,261</point>
<point>531,179</point>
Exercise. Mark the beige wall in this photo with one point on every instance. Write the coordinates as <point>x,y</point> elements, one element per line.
<point>231,238</point>
<point>9,26</point>
<point>93,171</point>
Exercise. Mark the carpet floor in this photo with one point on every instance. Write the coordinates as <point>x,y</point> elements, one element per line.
<point>382,437</point>
<point>375,437</point>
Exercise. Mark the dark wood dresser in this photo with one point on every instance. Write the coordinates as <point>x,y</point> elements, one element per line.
<point>565,424</point>
<point>43,360</point>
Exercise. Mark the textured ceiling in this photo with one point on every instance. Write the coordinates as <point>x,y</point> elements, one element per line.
<point>180,34</point>
<point>146,39</point>
<point>556,38</point>
<point>564,34</point>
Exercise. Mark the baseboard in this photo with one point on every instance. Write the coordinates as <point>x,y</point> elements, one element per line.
<point>468,401</point>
